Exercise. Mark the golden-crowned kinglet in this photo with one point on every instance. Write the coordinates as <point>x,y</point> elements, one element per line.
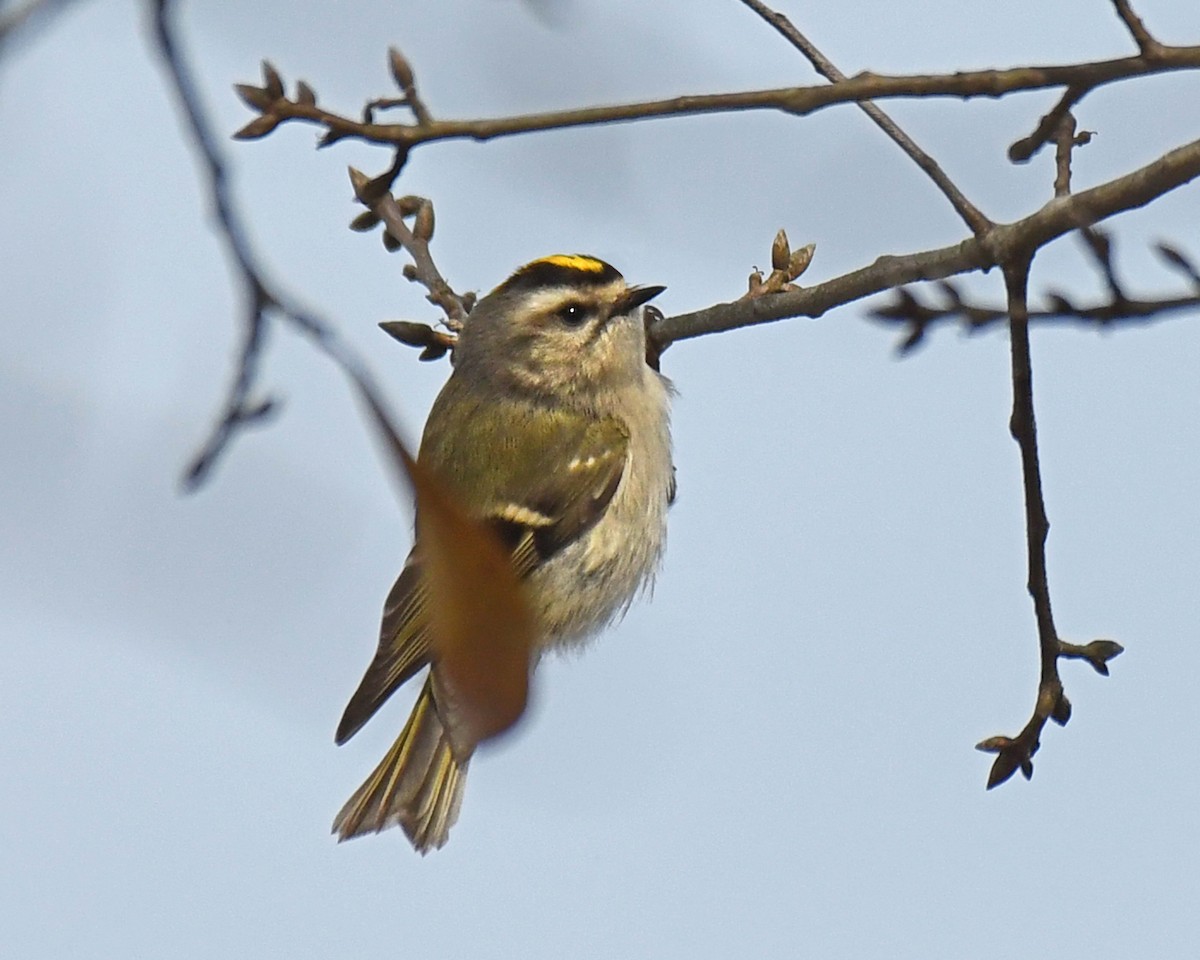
<point>554,428</point>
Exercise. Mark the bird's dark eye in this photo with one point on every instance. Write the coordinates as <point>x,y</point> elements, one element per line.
<point>572,315</point>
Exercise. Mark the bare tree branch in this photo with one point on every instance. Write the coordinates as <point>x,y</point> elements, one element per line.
<point>275,108</point>
<point>1017,753</point>
<point>393,213</point>
<point>997,247</point>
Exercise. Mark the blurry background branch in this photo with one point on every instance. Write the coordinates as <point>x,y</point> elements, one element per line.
<point>916,314</point>
<point>263,300</point>
<point>27,16</point>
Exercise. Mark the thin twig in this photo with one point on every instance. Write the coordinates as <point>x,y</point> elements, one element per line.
<point>1017,753</point>
<point>424,270</point>
<point>1064,144</point>
<point>383,208</point>
<point>1023,426</point>
<point>1024,149</point>
<point>1099,246</point>
<point>970,214</point>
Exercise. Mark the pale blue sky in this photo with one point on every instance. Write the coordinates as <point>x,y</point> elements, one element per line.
<point>773,758</point>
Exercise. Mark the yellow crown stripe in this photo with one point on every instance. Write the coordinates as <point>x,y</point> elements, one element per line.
<point>572,261</point>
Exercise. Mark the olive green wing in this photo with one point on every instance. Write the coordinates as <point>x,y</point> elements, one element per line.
<point>541,496</point>
<point>403,650</point>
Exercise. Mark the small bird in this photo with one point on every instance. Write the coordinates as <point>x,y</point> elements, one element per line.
<point>553,429</point>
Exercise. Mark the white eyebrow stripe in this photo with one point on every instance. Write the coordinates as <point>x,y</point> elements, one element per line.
<point>551,299</point>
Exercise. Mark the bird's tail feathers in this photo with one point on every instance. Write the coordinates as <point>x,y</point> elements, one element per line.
<point>418,784</point>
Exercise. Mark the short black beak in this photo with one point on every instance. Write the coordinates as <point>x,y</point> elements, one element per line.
<point>634,297</point>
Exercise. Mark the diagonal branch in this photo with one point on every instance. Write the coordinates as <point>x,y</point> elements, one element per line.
<point>965,209</point>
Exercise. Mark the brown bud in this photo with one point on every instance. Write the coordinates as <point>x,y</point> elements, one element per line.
<point>256,98</point>
<point>358,180</point>
<point>423,225</point>
<point>367,220</point>
<point>1004,767</point>
<point>273,82</point>
<point>780,251</point>
<point>1062,710</point>
<point>402,71</point>
<point>305,94</point>
<point>409,333</point>
<point>799,260</point>
<point>258,127</point>
<point>368,190</point>
<point>390,243</point>
<point>409,204</point>
<point>330,137</point>
<point>1099,652</point>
